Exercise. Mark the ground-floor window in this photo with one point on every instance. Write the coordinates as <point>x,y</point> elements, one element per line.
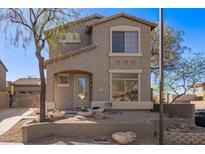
<point>125,86</point>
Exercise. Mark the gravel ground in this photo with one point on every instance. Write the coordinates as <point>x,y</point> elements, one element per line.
<point>14,135</point>
<point>53,139</point>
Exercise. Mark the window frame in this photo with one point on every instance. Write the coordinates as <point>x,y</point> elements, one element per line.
<point>126,28</point>
<point>69,38</point>
<point>60,84</point>
<point>130,71</point>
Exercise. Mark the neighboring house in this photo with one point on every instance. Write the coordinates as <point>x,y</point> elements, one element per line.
<point>3,71</point>
<point>26,92</point>
<point>100,61</point>
<point>196,96</point>
<point>198,90</point>
<point>4,99</point>
<point>184,99</point>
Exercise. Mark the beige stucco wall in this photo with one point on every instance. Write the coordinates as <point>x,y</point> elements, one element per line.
<point>98,62</point>
<point>2,78</point>
<point>67,47</point>
<point>64,92</point>
<point>199,91</point>
<point>32,132</point>
<point>198,104</point>
<point>4,100</point>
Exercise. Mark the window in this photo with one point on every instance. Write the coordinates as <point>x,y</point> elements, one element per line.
<point>64,80</point>
<point>125,42</point>
<point>124,86</point>
<point>70,38</point>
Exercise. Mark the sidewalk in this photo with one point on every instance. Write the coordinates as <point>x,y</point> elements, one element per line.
<point>10,143</point>
<point>9,122</point>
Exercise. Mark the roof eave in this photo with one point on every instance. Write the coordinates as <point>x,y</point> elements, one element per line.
<point>3,66</point>
<point>75,21</point>
<point>72,53</point>
<point>151,24</point>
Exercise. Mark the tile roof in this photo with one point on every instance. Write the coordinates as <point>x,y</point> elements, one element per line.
<point>28,81</point>
<point>105,19</point>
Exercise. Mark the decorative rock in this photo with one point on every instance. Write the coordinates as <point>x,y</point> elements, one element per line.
<point>57,114</point>
<point>78,117</point>
<point>99,115</point>
<point>183,125</point>
<point>192,126</point>
<point>124,137</point>
<point>37,111</point>
<point>85,113</point>
<point>173,130</point>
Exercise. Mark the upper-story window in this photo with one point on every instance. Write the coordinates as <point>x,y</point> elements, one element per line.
<point>125,40</point>
<point>70,37</point>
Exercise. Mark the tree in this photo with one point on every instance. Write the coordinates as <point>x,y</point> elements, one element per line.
<point>173,48</point>
<point>189,71</point>
<point>27,26</point>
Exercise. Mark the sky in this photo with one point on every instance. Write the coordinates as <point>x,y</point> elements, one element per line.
<point>23,63</point>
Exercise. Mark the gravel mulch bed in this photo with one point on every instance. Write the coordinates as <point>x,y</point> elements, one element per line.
<point>61,140</point>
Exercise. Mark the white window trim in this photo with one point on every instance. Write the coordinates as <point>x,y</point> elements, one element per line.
<point>126,71</point>
<point>124,28</point>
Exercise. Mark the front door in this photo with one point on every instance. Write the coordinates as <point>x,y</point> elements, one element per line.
<point>81,91</point>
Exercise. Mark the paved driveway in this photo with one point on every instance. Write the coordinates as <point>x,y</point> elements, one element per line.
<point>10,116</point>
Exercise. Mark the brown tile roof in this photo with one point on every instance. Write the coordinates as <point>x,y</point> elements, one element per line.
<point>105,19</point>
<point>28,81</point>
<point>71,53</point>
<point>1,63</point>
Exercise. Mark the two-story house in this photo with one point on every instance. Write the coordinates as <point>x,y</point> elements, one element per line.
<point>100,61</point>
<point>4,99</point>
<point>198,90</point>
<point>3,71</point>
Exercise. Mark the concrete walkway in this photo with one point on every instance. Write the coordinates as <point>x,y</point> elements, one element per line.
<point>10,143</point>
<point>10,116</point>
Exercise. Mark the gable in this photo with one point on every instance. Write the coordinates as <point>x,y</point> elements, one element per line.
<point>123,15</point>
<point>3,66</point>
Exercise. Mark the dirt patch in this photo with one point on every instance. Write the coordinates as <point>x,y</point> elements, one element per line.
<point>53,139</point>
<point>14,134</point>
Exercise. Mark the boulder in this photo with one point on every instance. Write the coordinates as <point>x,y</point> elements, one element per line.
<point>85,113</point>
<point>99,115</point>
<point>37,111</point>
<point>78,118</point>
<point>57,114</point>
<point>183,125</point>
<point>173,130</point>
<point>124,137</point>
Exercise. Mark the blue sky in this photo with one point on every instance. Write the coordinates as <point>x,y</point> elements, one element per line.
<point>21,63</point>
